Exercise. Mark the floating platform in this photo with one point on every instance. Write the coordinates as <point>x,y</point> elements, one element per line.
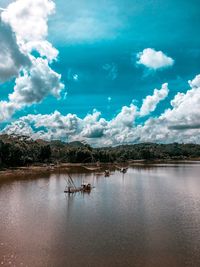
<point>84,188</point>
<point>73,190</point>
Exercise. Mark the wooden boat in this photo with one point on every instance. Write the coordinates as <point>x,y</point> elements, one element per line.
<point>83,188</point>
<point>122,169</point>
<point>69,189</point>
<point>72,188</point>
<point>86,187</point>
<point>106,173</point>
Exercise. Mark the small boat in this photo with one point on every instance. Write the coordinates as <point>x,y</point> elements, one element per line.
<point>72,188</point>
<point>86,187</point>
<point>83,188</point>
<point>122,169</point>
<point>106,173</point>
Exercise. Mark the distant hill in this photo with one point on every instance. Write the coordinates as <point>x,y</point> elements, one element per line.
<point>22,151</point>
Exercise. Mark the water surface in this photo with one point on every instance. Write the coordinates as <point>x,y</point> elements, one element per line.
<point>149,217</point>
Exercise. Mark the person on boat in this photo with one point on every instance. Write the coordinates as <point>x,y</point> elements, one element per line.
<point>83,186</point>
<point>107,173</point>
<point>88,187</point>
<point>123,170</point>
<point>69,189</point>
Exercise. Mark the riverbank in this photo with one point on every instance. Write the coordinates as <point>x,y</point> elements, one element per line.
<point>32,170</point>
<point>20,151</point>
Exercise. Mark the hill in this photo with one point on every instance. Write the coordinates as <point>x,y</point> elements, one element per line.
<point>22,151</point>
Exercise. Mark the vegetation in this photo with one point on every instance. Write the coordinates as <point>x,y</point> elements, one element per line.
<point>23,151</point>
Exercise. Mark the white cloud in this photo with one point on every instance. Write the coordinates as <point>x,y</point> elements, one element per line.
<point>12,59</point>
<point>28,18</point>
<point>126,117</point>
<point>184,110</point>
<point>153,59</point>
<point>6,110</point>
<point>23,28</point>
<point>180,123</point>
<point>150,102</point>
<point>44,48</point>
<point>35,85</point>
<point>21,127</point>
<point>195,82</point>
<point>93,128</point>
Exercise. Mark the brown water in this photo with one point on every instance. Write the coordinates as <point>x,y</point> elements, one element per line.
<point>149,217</point>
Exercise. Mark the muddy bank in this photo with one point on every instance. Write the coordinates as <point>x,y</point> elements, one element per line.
<point>44,169</point>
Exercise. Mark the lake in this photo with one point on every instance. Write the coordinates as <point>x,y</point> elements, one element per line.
<point>148,217</point>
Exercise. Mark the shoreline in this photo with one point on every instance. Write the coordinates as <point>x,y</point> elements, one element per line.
<point>53,168</point>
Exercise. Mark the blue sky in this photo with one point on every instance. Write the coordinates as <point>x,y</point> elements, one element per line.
<point>99,44</point>
<point>170,26</point>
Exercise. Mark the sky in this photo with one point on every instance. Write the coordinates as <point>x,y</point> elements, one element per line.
<point>106,72</point>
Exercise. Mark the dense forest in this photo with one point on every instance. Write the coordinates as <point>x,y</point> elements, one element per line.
<point>23,151</point>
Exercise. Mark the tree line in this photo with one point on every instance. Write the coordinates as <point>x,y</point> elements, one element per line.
<point>23,151</point>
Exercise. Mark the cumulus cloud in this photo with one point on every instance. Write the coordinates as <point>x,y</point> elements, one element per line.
<point>153,59</point>
<point>195,82</point>
<point>180,123</point>
<point>23,29</point>
<point>126,117</point>
<point>28,18</point>
<point>6,110</point>
<point>150,102</point>
<point>93,128</point>
<point>12,59</point>
<point>44,48</point>
<point>184,109</point>
<point>33,86</point>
